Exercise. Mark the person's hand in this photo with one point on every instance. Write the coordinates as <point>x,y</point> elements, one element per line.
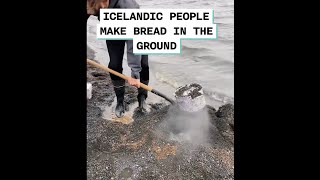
<point>134,82</point>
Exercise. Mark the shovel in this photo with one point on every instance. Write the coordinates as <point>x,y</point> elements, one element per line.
<point>148,88</point>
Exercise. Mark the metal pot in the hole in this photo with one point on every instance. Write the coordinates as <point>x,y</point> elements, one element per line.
<point>192,98</point>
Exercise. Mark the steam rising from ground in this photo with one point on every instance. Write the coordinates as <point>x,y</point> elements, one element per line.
<point>191,127</point>
<point>189,120</point>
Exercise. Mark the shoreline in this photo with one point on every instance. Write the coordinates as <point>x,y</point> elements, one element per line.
<point>165,80</point>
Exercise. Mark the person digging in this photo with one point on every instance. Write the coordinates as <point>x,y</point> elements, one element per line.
<point>138,63</point>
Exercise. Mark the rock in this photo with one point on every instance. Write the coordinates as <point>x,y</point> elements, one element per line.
<point>226,112</point>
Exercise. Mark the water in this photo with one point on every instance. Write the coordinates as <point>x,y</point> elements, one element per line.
<point>209,63</point>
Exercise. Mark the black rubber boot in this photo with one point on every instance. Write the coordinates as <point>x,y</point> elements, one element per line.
<point>119,89</point>
<point>142,96</point>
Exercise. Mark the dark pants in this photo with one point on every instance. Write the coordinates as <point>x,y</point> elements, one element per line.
<point>116,52</point>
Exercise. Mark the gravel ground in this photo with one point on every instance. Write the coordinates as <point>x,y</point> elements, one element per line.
<point>145,148</point>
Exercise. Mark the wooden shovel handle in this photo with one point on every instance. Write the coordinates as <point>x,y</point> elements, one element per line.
<point>148,88</point>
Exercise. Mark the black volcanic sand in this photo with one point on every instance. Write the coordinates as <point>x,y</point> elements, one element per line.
<point>143,149</point>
